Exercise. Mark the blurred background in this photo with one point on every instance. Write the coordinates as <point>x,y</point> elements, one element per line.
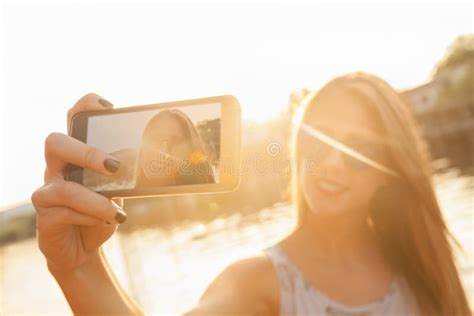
<point>269,55</point>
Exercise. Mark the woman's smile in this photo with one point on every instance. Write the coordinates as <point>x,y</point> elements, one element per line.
<point>329,187</point>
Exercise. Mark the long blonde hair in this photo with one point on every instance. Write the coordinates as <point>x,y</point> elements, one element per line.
<point>405,215</point>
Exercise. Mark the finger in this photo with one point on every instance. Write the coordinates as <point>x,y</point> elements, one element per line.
<point>79,198</point>
<point>61,149</point>
<point>89,102</point>
<point>61,216</point>
<point>94,236</point>
<point>118,202</point>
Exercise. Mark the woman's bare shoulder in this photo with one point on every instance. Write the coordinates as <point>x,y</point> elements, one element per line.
<point>246,286</point>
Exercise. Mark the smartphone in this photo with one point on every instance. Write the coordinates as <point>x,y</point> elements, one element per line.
<point>181,147</point>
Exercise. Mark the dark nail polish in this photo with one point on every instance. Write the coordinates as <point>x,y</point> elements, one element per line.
<point>111,165</point>
<point>106,104</point>
<point>120,216</point>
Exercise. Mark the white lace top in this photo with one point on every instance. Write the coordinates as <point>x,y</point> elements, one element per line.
<point>299,297</point>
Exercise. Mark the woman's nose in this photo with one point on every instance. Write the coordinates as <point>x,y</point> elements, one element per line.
<point>334,159</point>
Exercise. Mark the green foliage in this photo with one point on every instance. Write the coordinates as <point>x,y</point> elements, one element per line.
<point>460,51</point>
<point>460,55</point>
<point>209,131</point>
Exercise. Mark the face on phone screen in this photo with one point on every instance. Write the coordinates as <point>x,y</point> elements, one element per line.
<point>158,147</point>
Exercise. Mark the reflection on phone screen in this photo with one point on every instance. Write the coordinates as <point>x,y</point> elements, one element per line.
<point>160,147</point>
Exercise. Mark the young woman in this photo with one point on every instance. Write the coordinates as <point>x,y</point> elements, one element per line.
<point>370,237</point>
<point>172,153</point>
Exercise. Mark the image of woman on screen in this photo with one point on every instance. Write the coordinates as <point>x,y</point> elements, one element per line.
<point>172,153</point>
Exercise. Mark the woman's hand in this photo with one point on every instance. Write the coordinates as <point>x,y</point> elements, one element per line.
<point>72,219</point>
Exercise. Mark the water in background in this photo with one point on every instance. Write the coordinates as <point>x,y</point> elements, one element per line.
<point>166,271</point>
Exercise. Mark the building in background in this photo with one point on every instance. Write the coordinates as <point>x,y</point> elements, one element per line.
<point>444,106</point>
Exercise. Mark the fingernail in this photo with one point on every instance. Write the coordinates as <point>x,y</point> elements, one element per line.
<point>106,104</point>
<point>120,216</point>
<point>111,165</point>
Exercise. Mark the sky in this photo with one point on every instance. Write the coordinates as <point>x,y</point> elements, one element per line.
<point>140,53</point>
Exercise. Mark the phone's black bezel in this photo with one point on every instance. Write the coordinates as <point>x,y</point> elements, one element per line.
<point>229,179</point>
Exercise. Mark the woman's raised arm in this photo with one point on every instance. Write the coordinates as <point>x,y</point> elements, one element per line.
<point>71,224</point>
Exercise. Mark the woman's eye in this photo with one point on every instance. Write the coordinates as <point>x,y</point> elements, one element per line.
<point>327,131</point>
<point>370,149</point>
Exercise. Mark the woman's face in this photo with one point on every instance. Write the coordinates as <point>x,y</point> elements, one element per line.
<point>336,183</point>
<point>163,148</point>
<point>170,138</point>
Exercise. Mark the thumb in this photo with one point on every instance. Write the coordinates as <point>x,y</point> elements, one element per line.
<point>94,236</point>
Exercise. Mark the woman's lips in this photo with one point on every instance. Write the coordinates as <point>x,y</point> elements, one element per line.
<point>330,187</point>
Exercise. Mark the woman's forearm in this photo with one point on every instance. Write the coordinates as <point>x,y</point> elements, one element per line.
<point>93,290</point>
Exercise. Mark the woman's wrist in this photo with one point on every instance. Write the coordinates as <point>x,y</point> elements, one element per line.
<point>91,289</point>
<point>93,261</point>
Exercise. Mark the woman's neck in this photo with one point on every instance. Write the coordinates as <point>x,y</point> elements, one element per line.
<point>343,237</point>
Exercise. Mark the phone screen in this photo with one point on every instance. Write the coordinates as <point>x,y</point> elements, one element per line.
<point>158,147</point>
